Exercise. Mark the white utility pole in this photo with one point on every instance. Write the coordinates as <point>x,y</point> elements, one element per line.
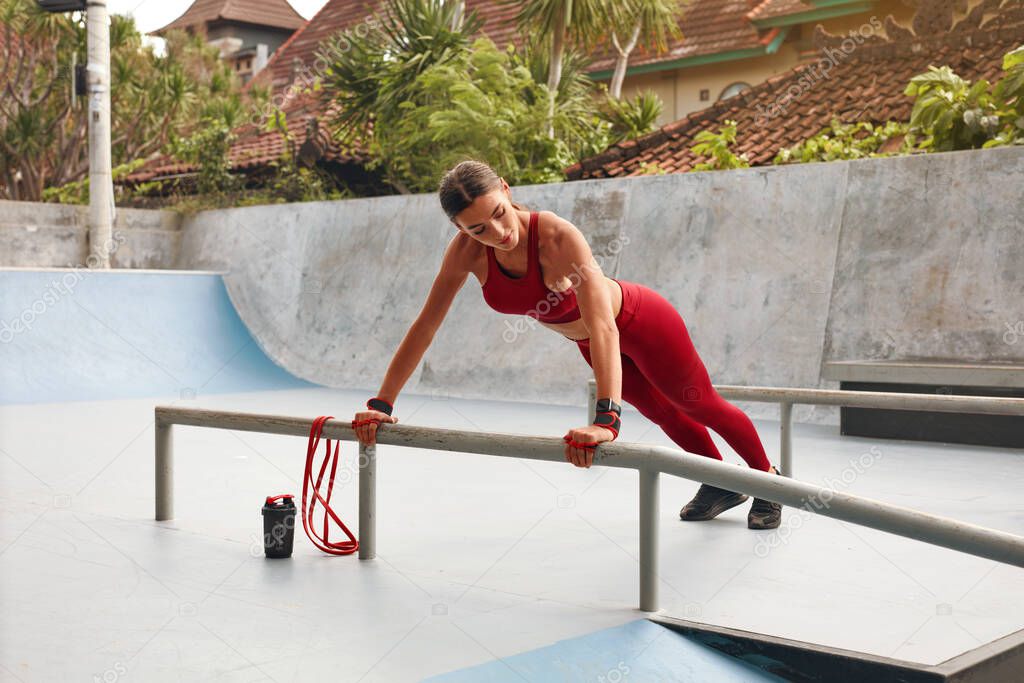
<point>101,189</point>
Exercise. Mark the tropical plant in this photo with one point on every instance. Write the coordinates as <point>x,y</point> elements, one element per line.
<point>844,141</point>
<point>373,69</point>
<point>574,80</point>
<point>77,192</point>
<point>484,104</point>
<point>651,168</point>
<point>648,23</point>
<point>557,25</point>
<point>577,120</point>
<point>291,180</point>
<point>1009,92</point>
<point>951,113</point>
<point>43,134</point>
<point>632,118</point>
<point>208,150</point>
<point>459,97</point>
<point>717,147</point>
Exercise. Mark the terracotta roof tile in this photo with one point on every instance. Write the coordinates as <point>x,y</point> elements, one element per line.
<point>499,21</point>
<point>256,147</point>
<point>298,53</point>
<point>785,110</point>
<point>770,9</point>
<point>708,27</point>
<point>276,13</point>
<point>868,84</point>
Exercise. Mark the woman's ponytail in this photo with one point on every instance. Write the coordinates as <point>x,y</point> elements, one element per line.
<point>466,181</point>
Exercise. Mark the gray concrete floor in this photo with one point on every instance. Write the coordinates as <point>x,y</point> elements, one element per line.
<point>478,557</point>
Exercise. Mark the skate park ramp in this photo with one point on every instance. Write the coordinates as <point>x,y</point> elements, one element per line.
<point>543,554</point>
<point>66,335</point>
<point>638,650</point>
<point>664,648</point>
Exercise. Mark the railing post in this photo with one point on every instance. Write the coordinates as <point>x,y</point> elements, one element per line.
<point>164,471</point>
<point>367,501</point>
<point>786,437</point>
<point>648,539</point>
<point>591,400</point>
<point>941,531</point>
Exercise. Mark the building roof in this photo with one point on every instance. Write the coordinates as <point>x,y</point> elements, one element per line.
<point>770,9</point>
<point>499,21</point>
<point>710,27</point>
<point>864,84</point>
<point>276,13</point>
<point>295,63</point>
<point>257,147</point>
<point>716,30</point>
<point>297,56</point>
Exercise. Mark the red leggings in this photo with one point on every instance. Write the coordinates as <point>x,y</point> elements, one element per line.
<point>665,379</point>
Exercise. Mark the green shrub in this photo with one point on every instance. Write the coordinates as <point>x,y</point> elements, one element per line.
<point>717,147</point>
<point>842,141</point>
<point>951,113</point>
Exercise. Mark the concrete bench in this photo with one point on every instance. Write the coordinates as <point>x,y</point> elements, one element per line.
<point>931,377</point>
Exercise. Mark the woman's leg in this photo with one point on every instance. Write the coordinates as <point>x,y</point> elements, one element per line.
<point>688,434</point>
<point>657,341</point>
<point>638,391</point>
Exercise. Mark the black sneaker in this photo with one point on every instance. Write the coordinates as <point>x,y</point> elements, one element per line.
<point>710,502</point>
<point>764,514</point>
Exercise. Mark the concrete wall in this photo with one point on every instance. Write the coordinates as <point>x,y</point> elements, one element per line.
<point>57,236</point>
<point>775,270</point>
<point>930,261</point>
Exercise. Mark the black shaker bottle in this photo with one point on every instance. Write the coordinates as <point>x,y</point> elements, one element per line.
<point>279,525</point>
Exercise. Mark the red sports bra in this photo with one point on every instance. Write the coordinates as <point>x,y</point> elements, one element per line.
<point>528,295</point>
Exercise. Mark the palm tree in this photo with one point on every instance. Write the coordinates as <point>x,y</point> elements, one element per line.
<point>370,75</point>
<point>369,72</point>
<point>652,20</point>
<point>583,22</point>
<point>43,135</point>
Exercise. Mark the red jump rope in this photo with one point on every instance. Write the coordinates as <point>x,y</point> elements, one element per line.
<point>322,541</point>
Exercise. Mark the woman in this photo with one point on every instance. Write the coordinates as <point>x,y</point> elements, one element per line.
<point>632,337</point>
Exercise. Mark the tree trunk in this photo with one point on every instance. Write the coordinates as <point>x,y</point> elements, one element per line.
<point>555,67</point>
<point>622,61</point>
<point>460,10</point>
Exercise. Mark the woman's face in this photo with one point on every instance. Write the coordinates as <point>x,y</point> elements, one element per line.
<point>490,219</point>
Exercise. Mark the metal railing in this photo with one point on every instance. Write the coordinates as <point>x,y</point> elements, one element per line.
<point>649,460</point>
<point>788,397</point>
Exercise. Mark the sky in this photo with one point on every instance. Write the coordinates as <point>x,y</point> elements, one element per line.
<point>152,14</point>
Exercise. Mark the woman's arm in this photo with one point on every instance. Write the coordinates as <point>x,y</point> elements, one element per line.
<point>595,303</point>
<point>450,278</point>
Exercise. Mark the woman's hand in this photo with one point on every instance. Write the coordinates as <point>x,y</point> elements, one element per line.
<point>584,457</point>
<point>367,433</point>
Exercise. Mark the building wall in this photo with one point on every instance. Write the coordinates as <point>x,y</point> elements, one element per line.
<point>249,61</point>
<point>680,89</point>
<point>250,35</point>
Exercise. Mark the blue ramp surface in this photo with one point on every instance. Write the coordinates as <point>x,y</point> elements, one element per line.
<point>77,335</point>
<point>636,651</point>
